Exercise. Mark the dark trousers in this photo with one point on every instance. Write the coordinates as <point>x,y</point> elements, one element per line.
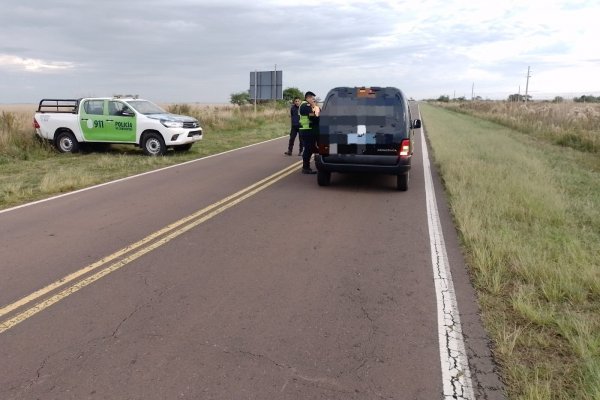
<point>294,130</point>
<point>309,139</point>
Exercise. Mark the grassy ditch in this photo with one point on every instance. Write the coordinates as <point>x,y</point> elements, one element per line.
<point>31,170</point>
<point>528,214</point>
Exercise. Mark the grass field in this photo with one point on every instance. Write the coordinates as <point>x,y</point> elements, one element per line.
<point>569,124</point>
<point>528,214</point>
<point>31,170</point>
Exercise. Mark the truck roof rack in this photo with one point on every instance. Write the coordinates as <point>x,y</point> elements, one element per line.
<point>126,96</point>
<point>67,106</point>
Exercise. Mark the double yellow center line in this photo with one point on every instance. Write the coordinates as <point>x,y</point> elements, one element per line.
<point>83,277</point>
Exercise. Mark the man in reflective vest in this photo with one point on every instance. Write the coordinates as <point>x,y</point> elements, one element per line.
<point>309,129</point>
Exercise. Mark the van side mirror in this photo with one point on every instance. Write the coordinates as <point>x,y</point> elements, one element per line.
<point>416,124</point>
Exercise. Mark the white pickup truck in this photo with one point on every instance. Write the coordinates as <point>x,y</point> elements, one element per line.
<point>69,122</point>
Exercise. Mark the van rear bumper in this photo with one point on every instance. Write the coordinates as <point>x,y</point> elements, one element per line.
<point>388,165</point>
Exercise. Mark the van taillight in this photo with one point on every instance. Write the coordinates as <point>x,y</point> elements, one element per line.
<point>323,149</point>
<point>35,124</point>
<point>404,151</point>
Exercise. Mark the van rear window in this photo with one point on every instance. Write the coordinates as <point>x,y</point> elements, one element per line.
<point>382,106</point>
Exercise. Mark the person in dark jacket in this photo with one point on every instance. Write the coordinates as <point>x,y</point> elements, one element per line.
<point>309,129</point>
<point>295,119</point>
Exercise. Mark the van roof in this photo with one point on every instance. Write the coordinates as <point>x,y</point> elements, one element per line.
<point>365,91</point>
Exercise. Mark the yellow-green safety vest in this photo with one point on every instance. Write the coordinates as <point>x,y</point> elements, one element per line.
<point>304,121</point>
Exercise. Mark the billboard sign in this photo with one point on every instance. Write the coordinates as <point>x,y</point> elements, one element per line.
<point>266,85</point>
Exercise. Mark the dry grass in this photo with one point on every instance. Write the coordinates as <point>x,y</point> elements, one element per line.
<point>229,117</point>
<point>569,124</point>
<point>63,180</point>
<point>17,136</point>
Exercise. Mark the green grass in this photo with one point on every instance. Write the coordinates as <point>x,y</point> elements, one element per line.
<point>528,214</point>
<point>567,124</point>
<point>31,170</point>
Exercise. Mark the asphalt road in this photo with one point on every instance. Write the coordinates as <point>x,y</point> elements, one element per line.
<point>164,287</point>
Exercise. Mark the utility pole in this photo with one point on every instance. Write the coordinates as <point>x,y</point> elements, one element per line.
<point>255,89</point>
<point>527,84</point>
<point>473,91</point>
<point>274,83</point>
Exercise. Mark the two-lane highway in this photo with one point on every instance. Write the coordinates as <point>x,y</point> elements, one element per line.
<point>231,277</point>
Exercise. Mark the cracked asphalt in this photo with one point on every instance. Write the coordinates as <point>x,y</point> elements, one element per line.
<point>297,292</point>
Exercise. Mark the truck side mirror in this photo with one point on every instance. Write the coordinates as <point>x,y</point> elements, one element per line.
<point>127,113</point>
<point>416,124</point>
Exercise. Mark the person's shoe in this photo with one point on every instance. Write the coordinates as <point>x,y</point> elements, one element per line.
<point>308,171</point>
<point>288,153</point>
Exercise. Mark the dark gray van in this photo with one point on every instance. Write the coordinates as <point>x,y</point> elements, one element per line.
<point>365,130</point>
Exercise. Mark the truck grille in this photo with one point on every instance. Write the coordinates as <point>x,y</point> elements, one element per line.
<point>190,125</point>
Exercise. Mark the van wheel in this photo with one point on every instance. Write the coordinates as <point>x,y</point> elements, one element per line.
<point>154,145</point>
<point>323,178</point>
<point>182,147</point>
<point>66,142</point>
<point>402,182</point>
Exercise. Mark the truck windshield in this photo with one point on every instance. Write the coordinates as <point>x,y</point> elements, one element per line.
<point>145,107</point>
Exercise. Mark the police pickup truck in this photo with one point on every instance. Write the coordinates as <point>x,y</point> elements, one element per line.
<point>68,123</point>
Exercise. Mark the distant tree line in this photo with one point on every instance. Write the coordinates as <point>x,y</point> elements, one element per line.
<point>557,99</point>
<point>241,98</point>
<point>446,99</point>
<point>519,97</point>
<point>587,99</point>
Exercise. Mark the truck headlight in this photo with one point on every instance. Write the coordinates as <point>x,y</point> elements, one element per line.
<point>171,124</point>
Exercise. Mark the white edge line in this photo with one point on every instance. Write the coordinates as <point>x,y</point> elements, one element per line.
<point>456,375</point>
<point>132,177</point>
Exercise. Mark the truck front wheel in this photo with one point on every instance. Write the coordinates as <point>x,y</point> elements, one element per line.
<point>66,142</point>
<point>154,145</point>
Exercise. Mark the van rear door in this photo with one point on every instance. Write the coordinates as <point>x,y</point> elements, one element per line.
<point>363,121</point>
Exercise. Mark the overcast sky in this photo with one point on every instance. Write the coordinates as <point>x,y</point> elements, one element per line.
<point>204,50</point>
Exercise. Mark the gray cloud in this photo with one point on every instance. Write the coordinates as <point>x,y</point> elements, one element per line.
<point>187,50</point>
